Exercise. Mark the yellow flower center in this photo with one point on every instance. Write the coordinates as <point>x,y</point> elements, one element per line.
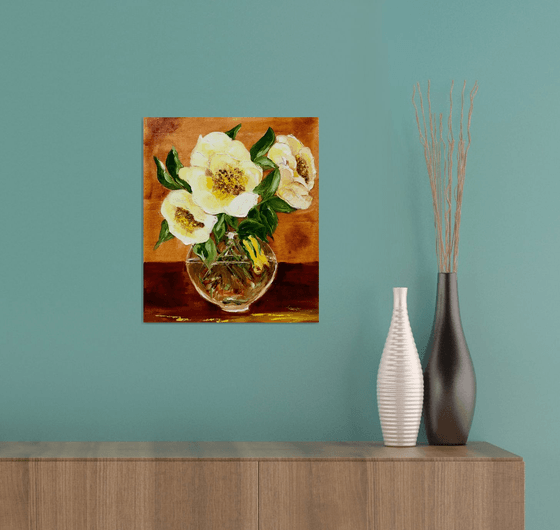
<point>229,181</point>
<point>302,168</point>
<point>186,220</point>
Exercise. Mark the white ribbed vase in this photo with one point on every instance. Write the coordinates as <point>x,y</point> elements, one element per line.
<point>400,383</point>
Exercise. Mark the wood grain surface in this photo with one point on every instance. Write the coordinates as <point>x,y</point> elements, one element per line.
<point>407,495</point>
<point>15,496</point>
<point>136,495</point>
<point>462,495</point>
<point>313,496</point>
<point>264,485</point>
<point>251,451</point>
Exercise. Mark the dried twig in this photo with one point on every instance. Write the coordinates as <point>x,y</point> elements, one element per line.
<point>447,222</point>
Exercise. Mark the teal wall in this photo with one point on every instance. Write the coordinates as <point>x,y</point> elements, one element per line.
<point>76,361</point>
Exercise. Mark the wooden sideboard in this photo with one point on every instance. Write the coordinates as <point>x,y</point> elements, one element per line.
<point>258,486</point>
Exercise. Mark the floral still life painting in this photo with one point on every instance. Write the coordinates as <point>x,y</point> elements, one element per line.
<point>231,220</point>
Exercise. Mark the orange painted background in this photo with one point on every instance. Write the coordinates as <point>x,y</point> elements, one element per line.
<point>296,239</point>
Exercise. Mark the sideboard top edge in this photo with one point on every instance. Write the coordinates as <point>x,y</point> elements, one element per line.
<point>254,459</point>
<point>249,451</point>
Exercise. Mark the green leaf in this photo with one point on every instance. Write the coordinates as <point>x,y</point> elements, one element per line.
<point>232,221</point>
<point>257,215</point>
<point>173,166</point>
<point>210,248</point>
<point>267,227</point>
<point>269,215</point>
<point>249,226</point>
<point>164,178</point>
<point>265,162</point>
<point>232,133</point>
<point>164,234</point>
<point>184,184</point>
<point>252,227</point>
<point>206,252</point>
<point>261,147</point>
<point>253,214</point>
<point>279,205</point>
<point>220,227</point>
<point>267,188</point>
<point>173,163</point>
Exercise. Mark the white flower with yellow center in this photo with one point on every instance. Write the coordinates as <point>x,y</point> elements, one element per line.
<point>297,170</point>
<point>187,221</point>
<point>222,176</point>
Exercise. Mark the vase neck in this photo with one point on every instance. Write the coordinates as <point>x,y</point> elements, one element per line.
<point>399,297</point>
<point>447,293</point>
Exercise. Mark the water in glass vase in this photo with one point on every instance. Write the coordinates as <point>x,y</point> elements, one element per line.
<point>232,281</point>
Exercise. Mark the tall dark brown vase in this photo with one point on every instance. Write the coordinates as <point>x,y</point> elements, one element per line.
<point>449,379</point>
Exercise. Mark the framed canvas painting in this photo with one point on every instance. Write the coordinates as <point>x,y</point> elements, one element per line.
<point>231,220</point>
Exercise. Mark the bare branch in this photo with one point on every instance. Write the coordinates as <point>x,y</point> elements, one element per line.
<point>446,221</point>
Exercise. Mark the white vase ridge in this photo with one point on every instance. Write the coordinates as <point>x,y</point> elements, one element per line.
<point>400,382</point>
